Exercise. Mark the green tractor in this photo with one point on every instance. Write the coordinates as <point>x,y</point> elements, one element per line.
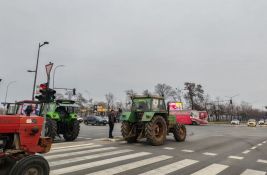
<point>61,118</point>
<point>149,119</point>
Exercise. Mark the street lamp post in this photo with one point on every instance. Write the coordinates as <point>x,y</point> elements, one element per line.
<point>55,73</point>
<point>36,68</point>
<point>7,90</point>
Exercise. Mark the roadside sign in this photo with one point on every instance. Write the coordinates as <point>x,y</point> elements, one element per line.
<point>48,68</point>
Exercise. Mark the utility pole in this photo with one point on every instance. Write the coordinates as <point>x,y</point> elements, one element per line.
<point>36,68</point>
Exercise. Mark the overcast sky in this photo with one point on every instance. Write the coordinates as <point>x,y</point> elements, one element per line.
<point>115,45</point>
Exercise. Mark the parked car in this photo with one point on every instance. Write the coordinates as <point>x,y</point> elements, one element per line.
<point>235,122</point>
<point>94,120</point>
<point>80,119</point>
<point>261,122</point>
<point>252,122</point>
<point>105,118</point>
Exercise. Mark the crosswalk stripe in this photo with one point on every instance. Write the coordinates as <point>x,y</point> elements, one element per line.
<point>262,161</point>
<point>56,148</point>
<point>253,172</point>
<point>211,170</point>
<point>94,156</point>
<point>254,147</point>
<point>168,148</point>
<point>96,163</point>
<point>245,152</point>
<point>171,167</point>
<point>130,166</point>
<point>79,153</point>
<point>73,149</point>
<point>210,154</point>
<point>236,157</point>
<point>187,151</point>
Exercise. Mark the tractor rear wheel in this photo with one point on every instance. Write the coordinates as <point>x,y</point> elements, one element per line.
<point>73,131</point>
<point>50,128</point>
<point>126,128</point>
<point>179,132</point>
<point>156,131</point>
<point>29,165</point>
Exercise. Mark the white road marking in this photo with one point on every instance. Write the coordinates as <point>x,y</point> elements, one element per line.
<point>56,148</point>
<point>264,142</point>
<point>253,172</point>
<point>236,157</point>
<point>74,148</point>
<point>97,163</point>
<point>245,152</point>
<point>210,154</point>
<point>211,170</point>
<point>259,144</point>
<point>171,167</point>
<point>94,156</point>
<point>262,161</point>
<point>79,153</point>
<point>188,151</point>
<point>168,148</point>
<point>132,165</point>
<point>86,138</point>
<point>253,147</point>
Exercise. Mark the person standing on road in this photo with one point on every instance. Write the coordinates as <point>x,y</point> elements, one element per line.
<point>111,121</point>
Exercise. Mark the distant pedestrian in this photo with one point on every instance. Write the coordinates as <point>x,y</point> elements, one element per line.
<point>111,121</point>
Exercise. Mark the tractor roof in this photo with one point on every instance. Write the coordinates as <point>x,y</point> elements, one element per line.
<point>27,101</point>
<point>147,96</point>
<point>65,101</point>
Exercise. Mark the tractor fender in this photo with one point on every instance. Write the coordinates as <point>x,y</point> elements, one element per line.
<point>53,115</point>
<point>128,116</point>
<point>147,116</point>
<point>73,116</point>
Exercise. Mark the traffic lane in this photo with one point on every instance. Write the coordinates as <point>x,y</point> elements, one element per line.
<point>97,132</point>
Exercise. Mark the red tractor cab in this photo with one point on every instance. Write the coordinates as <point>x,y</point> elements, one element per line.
<point>20,140</point>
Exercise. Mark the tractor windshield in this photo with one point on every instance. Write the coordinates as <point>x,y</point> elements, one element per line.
<point>141,105</point>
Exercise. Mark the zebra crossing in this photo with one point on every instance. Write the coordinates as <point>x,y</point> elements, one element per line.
<point>97,159</point>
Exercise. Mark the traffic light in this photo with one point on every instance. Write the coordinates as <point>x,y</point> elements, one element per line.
<point>50,95</point>
<point>74,91</point>
<point>47,94</point>
<point>42,90</point>
<point>231,101</point>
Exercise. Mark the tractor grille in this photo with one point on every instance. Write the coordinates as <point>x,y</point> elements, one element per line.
<point>139,115</point>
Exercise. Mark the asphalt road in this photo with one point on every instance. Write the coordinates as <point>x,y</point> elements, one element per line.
<point>208,150</point>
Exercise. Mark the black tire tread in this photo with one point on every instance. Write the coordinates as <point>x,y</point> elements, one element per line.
<point>150,134</point>
<point>29,161</point>
<point>74,133</point>
<point>176,132</point>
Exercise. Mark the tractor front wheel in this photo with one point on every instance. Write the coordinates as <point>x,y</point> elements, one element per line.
<point>50,128</point>
<point>126,128</point>
<point>179,132</point>
<point>72,131</point>
<point>156,131</point>
<point>32,164</point>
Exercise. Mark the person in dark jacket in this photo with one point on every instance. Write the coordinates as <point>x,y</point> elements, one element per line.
<point>111,121</point>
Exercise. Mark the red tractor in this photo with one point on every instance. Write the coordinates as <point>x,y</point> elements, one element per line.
<point>21,141</point>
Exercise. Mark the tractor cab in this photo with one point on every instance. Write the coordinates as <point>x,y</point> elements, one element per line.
<point>148,103</point>
<point>27,108</point>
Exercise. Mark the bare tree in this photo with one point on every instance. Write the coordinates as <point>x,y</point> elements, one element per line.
<point>110,100</point>
<point>130,93</point>
<point>195,94</point>
<point>163,90</point>
<point>146,92</point>
<point>176,95</point>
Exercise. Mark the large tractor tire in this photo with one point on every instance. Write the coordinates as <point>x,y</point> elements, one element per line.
<point>73,131</point>
<point>179,132</point>
<point>50,128</point>
<point>126,128</point>
<point>32,164</point>
<point>156,131</point>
